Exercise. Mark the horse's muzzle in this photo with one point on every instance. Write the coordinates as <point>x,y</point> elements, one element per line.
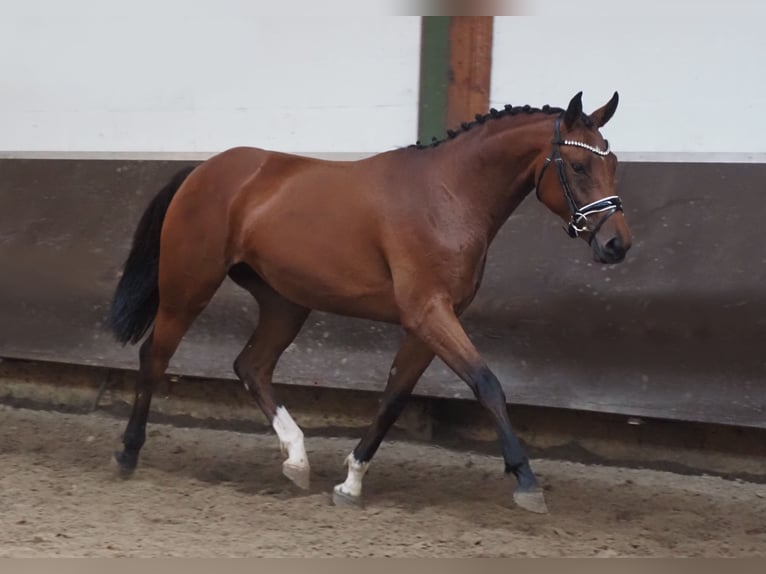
<point>613,251</point>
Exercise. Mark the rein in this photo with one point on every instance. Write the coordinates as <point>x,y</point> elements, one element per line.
<point>579,221</point>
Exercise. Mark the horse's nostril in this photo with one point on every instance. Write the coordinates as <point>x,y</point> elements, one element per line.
<point>615,245</point>
<point>615,248</point>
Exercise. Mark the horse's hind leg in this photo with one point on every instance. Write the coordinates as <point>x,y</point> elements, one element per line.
<point>410,362</point>
<point>182,296</point>
<point>169,327</point>
<point>279,323</point>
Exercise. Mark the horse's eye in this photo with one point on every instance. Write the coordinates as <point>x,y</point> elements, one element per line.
<point>578,167</point>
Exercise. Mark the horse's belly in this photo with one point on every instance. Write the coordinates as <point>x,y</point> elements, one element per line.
<point>344,281</point>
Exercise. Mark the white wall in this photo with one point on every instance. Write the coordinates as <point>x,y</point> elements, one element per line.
<point>690,74</point>
<point>202,76</point>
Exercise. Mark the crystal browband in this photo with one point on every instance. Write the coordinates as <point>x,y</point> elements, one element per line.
<point>589,147</point>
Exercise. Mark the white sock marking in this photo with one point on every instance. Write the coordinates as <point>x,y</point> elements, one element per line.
<point>353,484</point>
<point>290,438</point>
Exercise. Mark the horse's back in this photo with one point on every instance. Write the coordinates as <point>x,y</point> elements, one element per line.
<point>309,227</point>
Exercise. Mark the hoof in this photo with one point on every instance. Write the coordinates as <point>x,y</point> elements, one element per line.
<point>340,498</point>
<point>123,468</point>
<point>531,500</point>
<point>300,475</point>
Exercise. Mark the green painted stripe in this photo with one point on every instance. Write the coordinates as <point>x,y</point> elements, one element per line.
<point>434,77</point>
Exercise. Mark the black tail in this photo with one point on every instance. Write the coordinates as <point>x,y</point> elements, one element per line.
<point>136,299</point>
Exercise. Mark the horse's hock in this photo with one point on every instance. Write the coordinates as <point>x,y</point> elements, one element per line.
<point>673,333</point>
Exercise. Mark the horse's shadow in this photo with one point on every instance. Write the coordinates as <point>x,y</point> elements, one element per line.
<point>478,494</point>
<point>405,477</point>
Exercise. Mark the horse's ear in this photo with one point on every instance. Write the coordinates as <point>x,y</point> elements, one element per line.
<point>574,111</point>
<point>605,113</point>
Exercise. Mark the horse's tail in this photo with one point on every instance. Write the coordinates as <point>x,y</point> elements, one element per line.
<point>136,298</point>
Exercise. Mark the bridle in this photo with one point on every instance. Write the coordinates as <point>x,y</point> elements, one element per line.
<point>579,221</point>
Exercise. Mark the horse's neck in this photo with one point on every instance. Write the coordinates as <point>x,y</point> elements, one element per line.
<point>494,168</point>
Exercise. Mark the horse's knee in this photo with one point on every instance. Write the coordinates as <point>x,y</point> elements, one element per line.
<point>487,387</point>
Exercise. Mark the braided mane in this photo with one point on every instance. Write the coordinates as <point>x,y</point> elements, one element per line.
<point>479,119</point>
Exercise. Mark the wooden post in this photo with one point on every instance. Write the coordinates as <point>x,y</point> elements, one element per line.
<point>470,39</point>
<point>455,68</point>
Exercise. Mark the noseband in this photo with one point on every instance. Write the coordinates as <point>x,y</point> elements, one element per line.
<point>579,221</point>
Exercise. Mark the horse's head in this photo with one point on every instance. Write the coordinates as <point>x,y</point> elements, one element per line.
<point>576,180</point>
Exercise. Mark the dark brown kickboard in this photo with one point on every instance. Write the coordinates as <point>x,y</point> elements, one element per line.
<point>677,331</point>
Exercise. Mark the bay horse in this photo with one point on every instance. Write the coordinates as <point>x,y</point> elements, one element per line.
<point>399,237</point>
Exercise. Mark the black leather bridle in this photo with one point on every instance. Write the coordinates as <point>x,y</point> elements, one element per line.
<point>579,221</point>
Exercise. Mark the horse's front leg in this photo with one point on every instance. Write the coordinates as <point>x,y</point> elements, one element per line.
<point>410,362</point>
<point>433,320</point>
